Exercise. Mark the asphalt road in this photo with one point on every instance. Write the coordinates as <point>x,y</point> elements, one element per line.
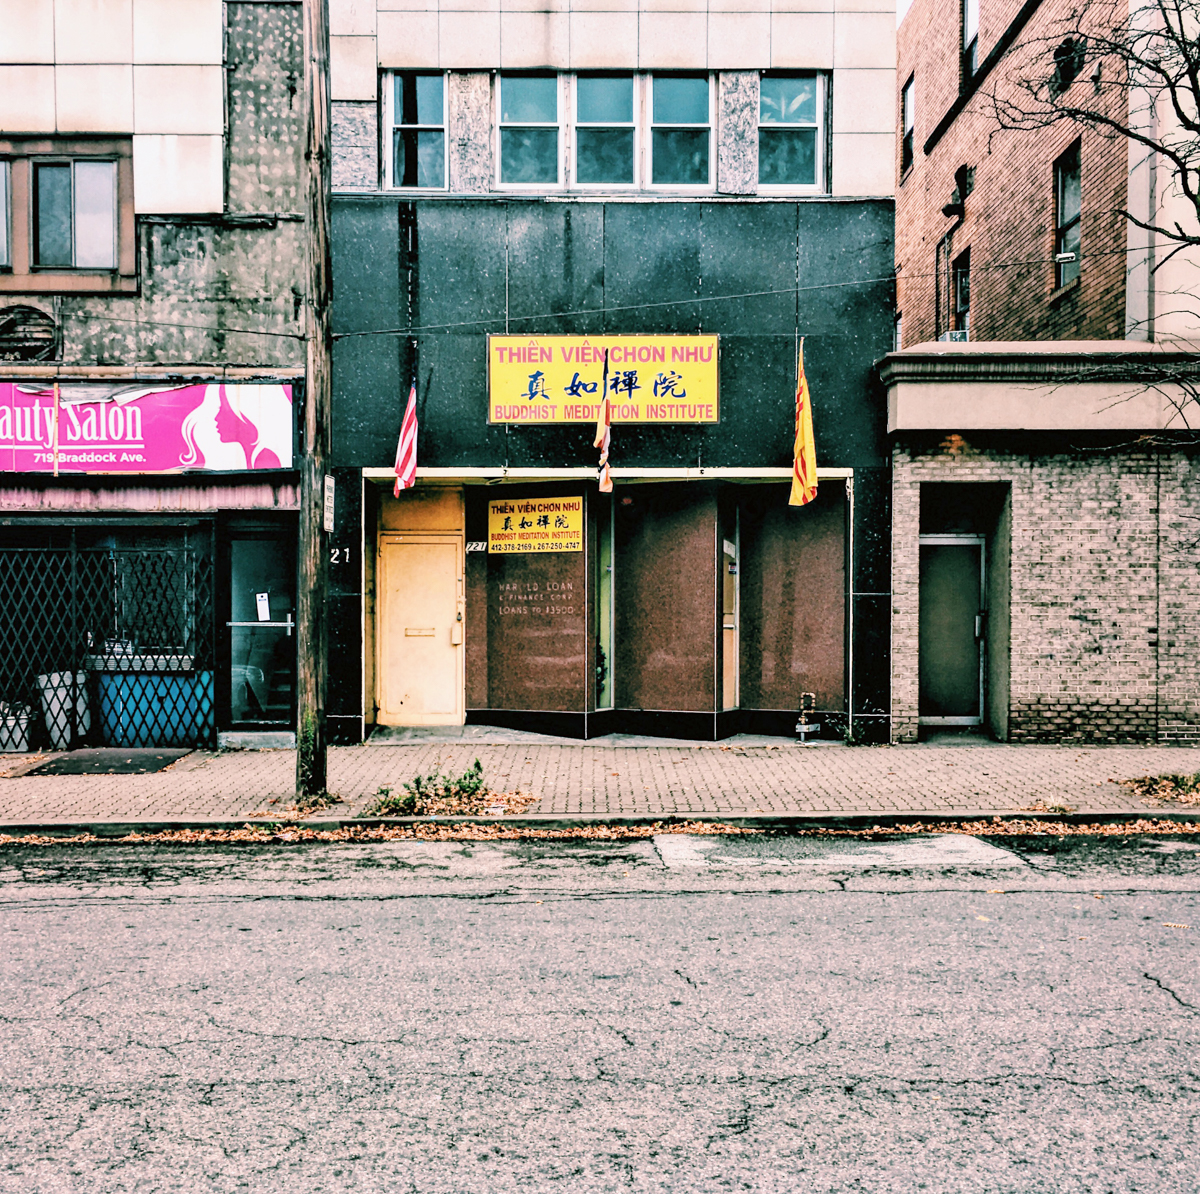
<point>684,1014</point>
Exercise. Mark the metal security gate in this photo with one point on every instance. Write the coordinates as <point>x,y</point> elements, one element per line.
<point>105,646</point>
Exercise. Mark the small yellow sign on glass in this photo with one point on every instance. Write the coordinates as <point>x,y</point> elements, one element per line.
<point>535,524</point>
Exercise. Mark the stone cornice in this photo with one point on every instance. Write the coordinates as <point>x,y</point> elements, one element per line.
<point>1099,361</point>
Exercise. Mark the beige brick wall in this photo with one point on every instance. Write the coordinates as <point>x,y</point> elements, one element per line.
<point>1104,587</point>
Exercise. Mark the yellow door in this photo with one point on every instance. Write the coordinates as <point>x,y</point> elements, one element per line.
<point>420,630</point>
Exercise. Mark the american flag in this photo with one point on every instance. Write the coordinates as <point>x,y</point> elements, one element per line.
<point>604,433</point>
<point>406,449</point>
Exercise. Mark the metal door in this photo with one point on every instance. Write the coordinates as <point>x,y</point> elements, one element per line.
<point>420,666</point>
<point>951,630</point>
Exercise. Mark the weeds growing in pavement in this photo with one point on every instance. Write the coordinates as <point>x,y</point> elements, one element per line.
<point>1185,789</point>
<point>427,795</point>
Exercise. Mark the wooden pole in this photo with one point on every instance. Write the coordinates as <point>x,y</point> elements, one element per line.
<point>313,564</point>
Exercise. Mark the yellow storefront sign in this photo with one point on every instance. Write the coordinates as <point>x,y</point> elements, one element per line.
<point>559,379</point>
<point>535,524</point>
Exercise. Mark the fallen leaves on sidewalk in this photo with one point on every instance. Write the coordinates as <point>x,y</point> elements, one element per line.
<point>1182,789</point>
<point>12,766</point>
<point>432,831</point>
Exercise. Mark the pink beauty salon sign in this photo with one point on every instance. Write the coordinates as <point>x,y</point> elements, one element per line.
<point>103,427</point>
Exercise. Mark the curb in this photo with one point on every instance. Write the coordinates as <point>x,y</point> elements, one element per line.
<point>780,823</point>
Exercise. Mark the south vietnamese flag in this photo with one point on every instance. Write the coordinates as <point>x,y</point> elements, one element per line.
<point>804,452</point>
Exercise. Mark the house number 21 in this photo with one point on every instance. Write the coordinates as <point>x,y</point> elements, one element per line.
<point>339,555</point>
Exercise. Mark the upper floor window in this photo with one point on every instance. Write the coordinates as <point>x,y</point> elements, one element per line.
<point>908,121</point>
<point>970,39</point>
<point>608,130</point>
<point>417,112</point>
<point>789,130</point>
<point>529,130</point>
<point>5,216</point>
<point>1067,208</point>
<point>681,131</point>
<point>962,294</point>
<point>75,214</point>
<point>604,130</point>
<point>66,215</point>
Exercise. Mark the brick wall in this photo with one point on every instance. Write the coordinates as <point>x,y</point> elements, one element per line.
<point>1009,218</point>
<point>1104,589</point>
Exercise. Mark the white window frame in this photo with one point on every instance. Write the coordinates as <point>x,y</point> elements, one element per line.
<point>908,123</point>
<point>648,115</point>
<point>390,126</point>
<point>562,125</point>
<point>817,186</point>
<point>637,124</point>
<point>970,39</point>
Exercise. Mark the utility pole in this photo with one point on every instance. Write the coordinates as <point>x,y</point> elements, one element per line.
<point>313,569</point>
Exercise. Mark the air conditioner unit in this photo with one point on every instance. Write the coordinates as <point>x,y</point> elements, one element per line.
<point>956,337</point>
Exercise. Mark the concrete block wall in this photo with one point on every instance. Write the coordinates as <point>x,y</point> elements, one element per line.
<point>855,39</point>
<point>1104,590</point>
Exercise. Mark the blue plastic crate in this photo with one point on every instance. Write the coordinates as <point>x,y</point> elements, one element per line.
<point>149,709</point>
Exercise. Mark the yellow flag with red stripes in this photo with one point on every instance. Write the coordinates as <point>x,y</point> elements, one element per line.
<point>804,452</point>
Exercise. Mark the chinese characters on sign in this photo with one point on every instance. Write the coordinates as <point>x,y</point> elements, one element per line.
<point>560,379</point>
<point>135,427</point>
<point>536,524</point>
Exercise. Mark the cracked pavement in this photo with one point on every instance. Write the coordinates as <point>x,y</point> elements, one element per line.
<point>759,1013</point>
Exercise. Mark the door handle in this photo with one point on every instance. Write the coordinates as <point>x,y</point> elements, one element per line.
<point>979,625</point>
<point>289,624</point>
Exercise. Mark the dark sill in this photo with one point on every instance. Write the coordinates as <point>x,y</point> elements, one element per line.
<point>1057,296</point>
<point>904,175</point>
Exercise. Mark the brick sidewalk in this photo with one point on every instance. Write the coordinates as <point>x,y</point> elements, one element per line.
<point>603,779</point>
